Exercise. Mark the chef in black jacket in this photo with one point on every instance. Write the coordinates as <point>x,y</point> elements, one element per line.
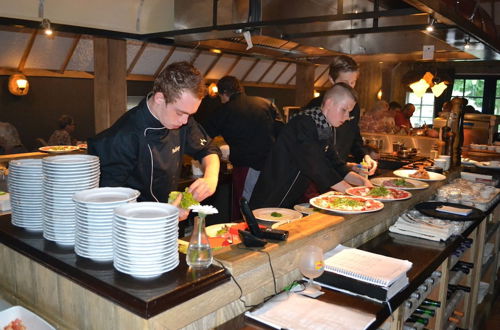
<point>143,149</point>
<point>345,69</point>
<point>304,153</point>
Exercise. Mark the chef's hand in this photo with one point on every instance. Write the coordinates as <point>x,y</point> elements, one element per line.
<point>372,164</point>
<point>183,213</point>
<point>203,188</point>
<point>341,186</point>
<point>354,178</point>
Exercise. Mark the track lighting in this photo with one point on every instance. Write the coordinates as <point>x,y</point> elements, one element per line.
<point>47,29</point>
<point>467,42</point>
<point>430,27</point>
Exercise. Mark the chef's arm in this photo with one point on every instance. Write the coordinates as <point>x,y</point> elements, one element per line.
<point>205,187</point>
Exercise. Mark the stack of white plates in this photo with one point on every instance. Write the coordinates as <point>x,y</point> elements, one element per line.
<point>145,239</point>
<point>62,177</point>
<point>25,187</point>
<point>94,210</point>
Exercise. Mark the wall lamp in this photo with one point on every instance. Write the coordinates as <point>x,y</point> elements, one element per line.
<point>18,84</point>
<point>212,90</point>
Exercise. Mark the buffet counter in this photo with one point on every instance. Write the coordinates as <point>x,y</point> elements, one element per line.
<point>55,283</point>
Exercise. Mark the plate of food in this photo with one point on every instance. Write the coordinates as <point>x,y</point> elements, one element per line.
<point>420,174</point>
<point>346,204</point>
<point>82,146</point>
<point>224,234</point>
<point>399,183</point>
<point>274,214</point>
<point>380,193</point>
<point>494,164</point>
<point>58,149</point>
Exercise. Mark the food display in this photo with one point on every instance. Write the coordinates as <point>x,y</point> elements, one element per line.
<point>186,201</point>
<point>346,204</point>
<point>420,174</point>
<point>381,193</point>
<point>58,149</point>
<point>399,183</point>
<point>276,214</point>
<point>17,324</point>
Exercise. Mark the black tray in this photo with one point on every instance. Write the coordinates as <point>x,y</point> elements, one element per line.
<point>429,209</point>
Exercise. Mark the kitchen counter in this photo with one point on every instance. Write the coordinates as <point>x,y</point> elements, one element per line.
<point>55,283</point>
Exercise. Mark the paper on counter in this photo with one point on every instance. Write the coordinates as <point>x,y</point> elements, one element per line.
<point>293,311</point>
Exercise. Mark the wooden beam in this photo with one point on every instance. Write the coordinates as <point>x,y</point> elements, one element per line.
<point>140,77</point>
<point>281,73</point>
<point>291,78</point>
<point>214,62</point>
<point>101,88</point>
<point>117,83</point>
<point>254,84</point>
<point>231,68</point>
<point>137,57</point>
<point>70,53</point>
<point>304,79</point>
<point>321,75</point>
<point>47,73</point>
<point>164,61</point>
<point>249,70</point>
<point>27,51</point>
<point>195,56</point>
<point>267,71</point>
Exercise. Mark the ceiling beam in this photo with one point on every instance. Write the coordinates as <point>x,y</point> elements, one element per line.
<point>211,66</point>
<point>267,71</point>
<point>195,56</point>
<point>70,53</point>
<point>322,73</point>
<point>291,78</point>
<point>250,69</point>
<point>137,57</point>
<point>27,51</point>
<point>231,68</point>
<point>47,73</point>
<point>164,61</point>
<point>281,73</point>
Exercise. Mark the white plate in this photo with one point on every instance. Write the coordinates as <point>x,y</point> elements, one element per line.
<point>433,176</point>
<point>146,211</point>
<point>106,195</point>
<point>418,184</point>
<point>286,214</point>
<point>358,191</point>
<point>486,165</point>
<point>30,319</point>
<point>213,229</point>
<point>70,159</point>
<point>314,203</point>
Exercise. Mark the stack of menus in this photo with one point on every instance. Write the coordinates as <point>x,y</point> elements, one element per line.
<point>364,273</point>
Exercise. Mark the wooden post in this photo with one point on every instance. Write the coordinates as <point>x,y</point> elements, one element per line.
<point>304,83</point>
<point>110,83</point>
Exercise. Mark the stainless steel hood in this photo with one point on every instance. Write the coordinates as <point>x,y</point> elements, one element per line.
<point>311,28</point>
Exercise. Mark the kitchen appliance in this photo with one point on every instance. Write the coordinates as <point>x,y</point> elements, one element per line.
<point>391,162</point>
<point>480,128</point>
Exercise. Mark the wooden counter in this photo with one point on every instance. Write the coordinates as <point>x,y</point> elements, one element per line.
<point>55,283</point>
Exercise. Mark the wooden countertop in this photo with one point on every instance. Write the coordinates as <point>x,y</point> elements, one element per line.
<point>145,298</point>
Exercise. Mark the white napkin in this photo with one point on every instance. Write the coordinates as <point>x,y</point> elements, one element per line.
<point>453,210</point>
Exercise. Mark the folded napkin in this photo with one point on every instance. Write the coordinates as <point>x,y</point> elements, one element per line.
<point>453,210</point>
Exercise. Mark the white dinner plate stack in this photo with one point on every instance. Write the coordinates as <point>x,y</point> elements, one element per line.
<point>63,176</point>
<point>26,194</point>
<point>145,239</point>
<point>94,209</point>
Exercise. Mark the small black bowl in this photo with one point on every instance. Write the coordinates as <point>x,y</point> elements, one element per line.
<point>435,169</point>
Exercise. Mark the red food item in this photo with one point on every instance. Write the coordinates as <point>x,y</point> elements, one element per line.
<point>17,324</point>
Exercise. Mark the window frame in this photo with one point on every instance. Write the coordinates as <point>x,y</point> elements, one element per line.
<point>489,94</point>
<point>418,107</point>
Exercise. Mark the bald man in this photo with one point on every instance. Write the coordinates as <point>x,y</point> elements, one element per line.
<point>305,153</point>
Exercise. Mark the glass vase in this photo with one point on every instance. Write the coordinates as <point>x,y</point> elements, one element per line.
<point>199,253</point>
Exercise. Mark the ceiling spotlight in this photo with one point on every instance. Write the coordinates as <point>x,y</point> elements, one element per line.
<point>467,42</point>
<point>430,27</point>
<point>47,29</point>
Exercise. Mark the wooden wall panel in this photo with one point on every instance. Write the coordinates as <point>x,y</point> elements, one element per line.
<point>304,83</point>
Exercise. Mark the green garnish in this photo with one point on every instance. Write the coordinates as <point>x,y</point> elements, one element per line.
<point>340,202</point>
<point>378,192</point>
<point>402,183</point>
<point>222,231</point>
<point>276,214</point>
<point>2,193</point>
<point>186,201</point>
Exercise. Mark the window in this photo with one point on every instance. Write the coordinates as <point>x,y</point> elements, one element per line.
<point>472,90</point>
<point>497,99</point>
<point>424,109</point>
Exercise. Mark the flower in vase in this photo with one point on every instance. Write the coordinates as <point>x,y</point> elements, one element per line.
<point>203,210</point>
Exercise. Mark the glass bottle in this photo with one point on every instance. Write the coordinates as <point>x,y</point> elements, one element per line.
<point>199,253</point>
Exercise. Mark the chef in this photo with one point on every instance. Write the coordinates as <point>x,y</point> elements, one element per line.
<point>305,153</point>
<point>143,149</point>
